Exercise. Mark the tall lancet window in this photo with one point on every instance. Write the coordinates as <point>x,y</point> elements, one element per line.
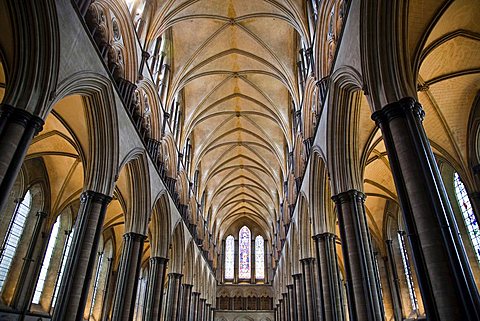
<point>229,257</point>
<point>13,236</point>
<point>468,215</point>
<point>259,258</point>
<point>244,252</point>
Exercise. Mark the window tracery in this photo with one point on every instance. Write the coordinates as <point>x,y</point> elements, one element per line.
<point>259,258</point>
<point>407,271</point>
<point>229,257</point>
<point>467,213</point>
<point>13,235</point>
<point>244,250</point>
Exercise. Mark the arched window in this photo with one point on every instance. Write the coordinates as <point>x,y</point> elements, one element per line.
<point>13,235</point>
<point>229,257</point>
<point>46,262</point>
<point>259,258</point>
<point>102,276</point>
<point>408,271</point>
<point>141,295</point>
<point>66,251</point>
<point>244,251</point>
<point>468,216</point>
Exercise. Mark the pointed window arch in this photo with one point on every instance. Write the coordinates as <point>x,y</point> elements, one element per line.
<point>467,213</point>
<point>244,251</point>
<point>13,235</point>
<point>46,262</point>
<point>259,258</point>
<point>229,257</point>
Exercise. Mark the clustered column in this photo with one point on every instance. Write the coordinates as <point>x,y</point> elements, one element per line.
<point>127,280</point>
<point>173,294</point>
<point>329,285</point>
<point>17,129</point>
<point>79,266</point>
<point>153,303</point>
<point>445,277</point>
<point>299,288</point>
<point>363,298</point>
<point>310,293</point>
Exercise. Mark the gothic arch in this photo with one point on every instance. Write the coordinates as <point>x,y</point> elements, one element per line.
<point>135,185</point>
<point>101,116</point>
<point>33,66</point>
<point>177,246</point>
<point>342,131</point>
<point>160,226</point>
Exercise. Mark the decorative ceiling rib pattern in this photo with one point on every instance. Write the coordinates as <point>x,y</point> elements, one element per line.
<point>234,65</point>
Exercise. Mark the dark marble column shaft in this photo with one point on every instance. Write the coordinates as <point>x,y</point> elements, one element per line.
<point>444,274</point>
<point>185,304</point>
<point>75,283</point>
<point>17,129</point>
<point>299,286</point>
<point>156,280</point>
<point>292,304</point>
<point>363,298</point>
<point>173,294</point>
<point>308,266</point>
<point>194,306</point>
<point>128,274</point>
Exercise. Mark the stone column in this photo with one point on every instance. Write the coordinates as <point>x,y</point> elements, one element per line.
<point>75,283</point>
<point>236,263</point>
<point>394,282</point>
<point>201,306</point>
<point>127,280</point>
<point>172,306</point>
<point>185,305</point>
<point>17,129</point>
<point>221,263</point>
<point>363,298</point>
<point>208,310</point>
<point>156,280</point>
<point>329,283</point>
<point>310,293</point>
<point>252,266</point>
<point>444,274</point>
<point>285,307</point>
<point>280,310</point>
<point>32,263</point>
<point>299,287</point>
<point>292,304</point>
<point>194,306</point>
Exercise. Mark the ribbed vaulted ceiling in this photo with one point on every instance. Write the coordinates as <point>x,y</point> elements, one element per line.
<point>235,61</point>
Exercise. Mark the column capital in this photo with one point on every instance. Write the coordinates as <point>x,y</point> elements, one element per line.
<point>134,236</point>
<point>307,260</point>
<point>22,117</point>
<point>290,286</point>
<point>400,108</point>
<point>186,285</point>
<point>323,236</point>
<point>95,197</point>
<point>159,259</point>
<point>175,275</point>
<point>297,276</point>
<point>348,196</point>
<point>195,293</point>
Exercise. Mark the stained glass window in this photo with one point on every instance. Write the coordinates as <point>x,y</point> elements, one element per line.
<point>259,258</point>
<point>46,262</point>
<point>229,257</point>
<point>14,233</point>
<point>468,215</point>
<point>244,252</point>
<point>408,271</point>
